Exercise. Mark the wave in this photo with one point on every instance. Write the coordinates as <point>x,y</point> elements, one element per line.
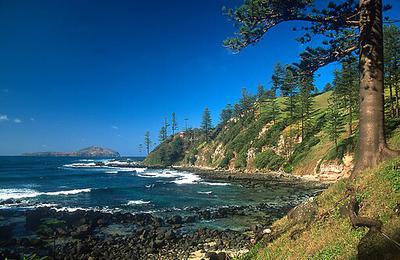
<point>6,194</point>
<point>215,183</point>
<point>205,192</point>
<point>137,202</point>
<point>180,177</point>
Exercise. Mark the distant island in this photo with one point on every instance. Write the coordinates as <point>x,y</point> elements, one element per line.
<point>92,151</point>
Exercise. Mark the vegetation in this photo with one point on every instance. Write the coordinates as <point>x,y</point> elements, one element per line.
<point>331,235</point>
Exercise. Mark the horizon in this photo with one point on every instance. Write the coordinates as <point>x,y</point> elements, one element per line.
<point>79,74</point>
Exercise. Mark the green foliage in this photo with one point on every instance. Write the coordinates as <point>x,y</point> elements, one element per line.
<point>344,146</point>
<point>271,137</point>
<point>391,173</point>
<point>167,153</point>
<point>226,114</point>
<point>334,125</point>
<point>302,149</point>
<point>268,160</point>
<point>206,123</point>
<point>227,158</point>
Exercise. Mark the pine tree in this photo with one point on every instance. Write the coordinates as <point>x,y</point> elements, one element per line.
<point>206,123</point>
<point>226,113</point>
<point>289,88</point>
<point>163,134</point>
<point>346,86</point>
<point>147,141</point>
<point>305,103</point>
<point>260,91</point>
<point>166,126</point>
<point>174,124</point>
<point>392,66</point>
<point>246,102</point>
<point>334,124</point>
<point>348,27</point>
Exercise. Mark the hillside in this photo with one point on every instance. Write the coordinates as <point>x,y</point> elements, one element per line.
<point>252,142</point>
<point>321,228</point>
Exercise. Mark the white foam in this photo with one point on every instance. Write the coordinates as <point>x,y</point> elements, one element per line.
<point>66,192</point>
<point>6,194</point>
<point>216,183</point>
<point>137,202</point>
<point>205,192</point>
<point>82,165</point>
<point>180,177</point>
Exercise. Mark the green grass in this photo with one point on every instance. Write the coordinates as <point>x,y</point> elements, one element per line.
<point>333,237</point>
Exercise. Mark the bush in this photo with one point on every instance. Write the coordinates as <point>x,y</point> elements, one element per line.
<point>269,160</point>
<point>344,146</point>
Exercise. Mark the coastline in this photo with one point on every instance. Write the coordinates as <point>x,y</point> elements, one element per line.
<point>223,174</point>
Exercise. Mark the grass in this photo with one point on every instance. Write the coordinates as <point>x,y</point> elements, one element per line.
<point>333,237</point>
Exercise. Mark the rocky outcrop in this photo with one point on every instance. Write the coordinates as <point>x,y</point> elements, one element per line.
<point>333,170</point>
<point>89,152</point>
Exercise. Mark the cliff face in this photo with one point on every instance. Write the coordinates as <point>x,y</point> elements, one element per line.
<point>88,152</point>
<point>252,142</point>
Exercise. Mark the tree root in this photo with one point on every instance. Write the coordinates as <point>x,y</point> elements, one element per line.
<point>358,221</point>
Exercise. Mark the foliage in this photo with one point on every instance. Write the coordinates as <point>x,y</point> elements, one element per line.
<point>174,124</point>
<point>226,114</point>
<point>268,160</point>
<point>147,141</point>
<point>346,145</point>
<point>334,125</point>
<point>206,123</point>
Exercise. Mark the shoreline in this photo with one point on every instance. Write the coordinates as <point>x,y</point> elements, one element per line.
<point>257,176</point>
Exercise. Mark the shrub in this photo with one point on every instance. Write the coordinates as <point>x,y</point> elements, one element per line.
<point>269,160</point>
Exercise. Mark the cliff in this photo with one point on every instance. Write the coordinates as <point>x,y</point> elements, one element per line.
<point>253,142</point>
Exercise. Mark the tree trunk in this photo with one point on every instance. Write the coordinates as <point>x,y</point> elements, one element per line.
<point>372,143</point>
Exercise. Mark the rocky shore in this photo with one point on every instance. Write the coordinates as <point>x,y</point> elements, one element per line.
<point>98,235</point>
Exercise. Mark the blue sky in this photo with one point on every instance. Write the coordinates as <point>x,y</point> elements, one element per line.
<point>79,73</point>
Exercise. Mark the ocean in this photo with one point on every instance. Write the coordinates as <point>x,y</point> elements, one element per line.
<point>70,184</point>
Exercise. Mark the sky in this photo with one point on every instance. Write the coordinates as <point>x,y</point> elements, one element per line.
<point>83,72</point>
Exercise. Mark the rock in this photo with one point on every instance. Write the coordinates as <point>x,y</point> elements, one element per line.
<point>215,256</point>
<point>175,220</point>
<point>6,231</point>
<point>304,213</point>
<point>374,246</point>
<point>267,231</point>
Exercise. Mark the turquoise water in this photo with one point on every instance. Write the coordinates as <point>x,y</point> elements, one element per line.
<point>76,183</point>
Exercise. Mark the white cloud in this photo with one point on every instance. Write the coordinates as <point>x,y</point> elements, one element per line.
<point>17,120</point>
<point>114,127</point>
<point>3,118</point>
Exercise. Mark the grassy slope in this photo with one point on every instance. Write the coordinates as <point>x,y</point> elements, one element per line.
<point>332,237</point>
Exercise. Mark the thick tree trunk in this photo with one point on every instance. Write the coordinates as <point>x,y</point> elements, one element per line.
<point>350,120</point>
<point>372,143</point>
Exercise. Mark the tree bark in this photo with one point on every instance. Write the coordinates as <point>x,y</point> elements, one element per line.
<point>350,120</point>
<point>372,143</point>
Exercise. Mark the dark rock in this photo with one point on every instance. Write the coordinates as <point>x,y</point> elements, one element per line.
<point>374,246</point>
<point>6,231</point>
<point>304,213</point>
<point>175,220</point>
